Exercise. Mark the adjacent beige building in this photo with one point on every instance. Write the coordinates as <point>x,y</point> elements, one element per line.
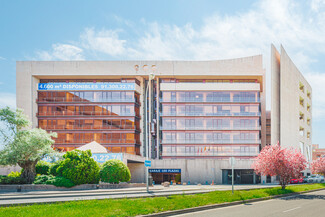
<point>291,104</point>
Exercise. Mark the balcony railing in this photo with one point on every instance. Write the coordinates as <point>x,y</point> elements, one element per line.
<point>208,141</point>
<point>209,100</point>
<point>208,153</point>
<point>71,113</point>
<point>212,128</point>
<point>85,127</point>
<point>101,141</point>
<point>76,99</point>
<point>223,114</point>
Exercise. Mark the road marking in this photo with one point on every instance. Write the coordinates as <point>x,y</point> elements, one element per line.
<point>292,209</point>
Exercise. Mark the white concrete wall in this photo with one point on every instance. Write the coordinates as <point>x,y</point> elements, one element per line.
<point>137,172</point>
<point>5,170</point>
<point>201,170</point>
<point>285,122</point>
<point>275,95</point>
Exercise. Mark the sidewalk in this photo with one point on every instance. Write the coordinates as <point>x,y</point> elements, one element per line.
<point>7,199</point>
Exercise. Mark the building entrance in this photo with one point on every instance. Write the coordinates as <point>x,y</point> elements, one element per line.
<point>240,177</point>
<point>165,175</point>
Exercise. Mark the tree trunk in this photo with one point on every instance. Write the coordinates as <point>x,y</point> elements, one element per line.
<point>283,184</point>
<point>29,171</point>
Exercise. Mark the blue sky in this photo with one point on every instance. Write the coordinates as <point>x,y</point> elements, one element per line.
<point>165,30</point>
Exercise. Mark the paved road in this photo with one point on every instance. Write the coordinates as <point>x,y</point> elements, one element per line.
<point>304,205</point>
<point>56,196</point>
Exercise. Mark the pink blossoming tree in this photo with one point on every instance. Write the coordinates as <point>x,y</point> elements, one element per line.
<point>318,166</point>
<point>287,163</point>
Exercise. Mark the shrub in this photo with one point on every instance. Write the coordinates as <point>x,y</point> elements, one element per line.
<point>115,171</point>
<point>79,167</point>
<point>42,179</point>
<point>7,180</point>
<point>42,167</point>
<point>53,168</point>
<point>60,182</point>
<point>14,174</point>
<point>52,180</point>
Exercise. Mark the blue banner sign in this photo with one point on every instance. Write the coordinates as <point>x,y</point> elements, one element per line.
<point>86,86</point>
<point>101,158</point>
<point>164,170</point>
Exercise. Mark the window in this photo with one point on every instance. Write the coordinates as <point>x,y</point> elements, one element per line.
<point>308,94</point>
<point>301,87</point>
<point>308,135</point>
<point>301,147</point>
<point>308,121</point>
<point>301,101</point>
<point>301,116</point>
<point>301,131</point>
<point>308,107</point>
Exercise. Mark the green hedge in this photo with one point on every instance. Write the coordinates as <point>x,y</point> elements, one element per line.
<point>53,168</point>
<point>115,171</point>
<point>53,180</point>
<point>43,167</point>
<point>6,180</point>
<point>79,167</point>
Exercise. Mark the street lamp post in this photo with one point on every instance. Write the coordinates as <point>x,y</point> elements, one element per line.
<point>151,77</point>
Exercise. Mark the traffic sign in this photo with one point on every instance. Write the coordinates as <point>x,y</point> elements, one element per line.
<point>147,163</point>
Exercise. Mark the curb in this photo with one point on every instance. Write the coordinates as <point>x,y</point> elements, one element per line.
<point>220,205</point>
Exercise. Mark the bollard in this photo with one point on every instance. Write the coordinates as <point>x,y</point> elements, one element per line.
<point>19,188</point>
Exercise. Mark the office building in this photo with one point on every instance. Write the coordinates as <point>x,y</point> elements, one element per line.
<point>189,117</point>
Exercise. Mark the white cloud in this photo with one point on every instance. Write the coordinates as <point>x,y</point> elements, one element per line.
<point>2,58</point>
<point>61,52</point>
<point>317,81</point>
<point>7,99</point>
<point>299,27</point>
<point>105,41</point>
<point>316,5</point>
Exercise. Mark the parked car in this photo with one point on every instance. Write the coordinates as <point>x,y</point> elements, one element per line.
<point>296,181</point>
<point>305,179</point>
<point>315,179</point>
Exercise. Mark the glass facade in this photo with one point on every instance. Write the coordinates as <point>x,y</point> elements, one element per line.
<point>177,109</point>
<point>192,123</point>
<point>202,96</point>
<point>111,118</point>
<point>209,123</point>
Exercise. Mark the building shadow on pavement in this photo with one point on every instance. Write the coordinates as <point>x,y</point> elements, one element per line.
<point>304,197</point>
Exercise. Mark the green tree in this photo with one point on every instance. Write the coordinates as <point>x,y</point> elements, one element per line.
<point>21,144</point>
<point>79,167</point>
<point>115,171</point>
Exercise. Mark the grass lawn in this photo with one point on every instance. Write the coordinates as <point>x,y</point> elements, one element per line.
<point>141,206</point>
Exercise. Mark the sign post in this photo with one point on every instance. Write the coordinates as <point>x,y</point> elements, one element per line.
<point>232,162</point>
<point>147,164</point>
